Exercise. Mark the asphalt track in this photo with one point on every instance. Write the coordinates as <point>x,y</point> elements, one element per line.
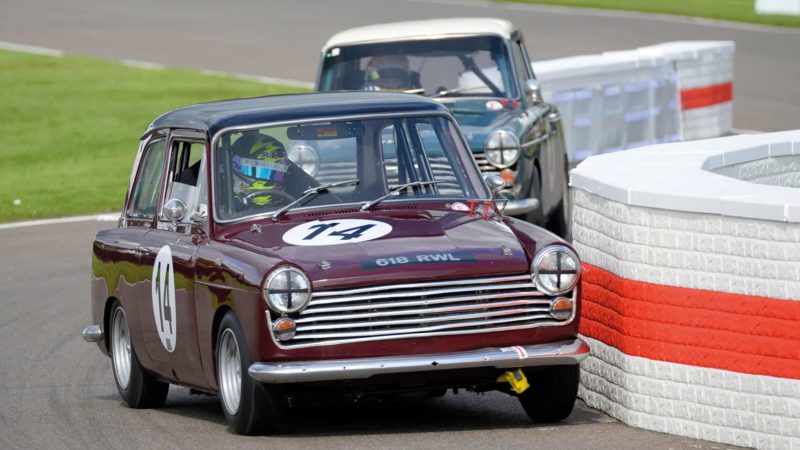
<point>57,391</point>
<point>283,38</point>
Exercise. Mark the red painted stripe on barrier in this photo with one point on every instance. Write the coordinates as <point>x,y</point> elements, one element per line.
<point>740,333</point>
<point>706,96</point>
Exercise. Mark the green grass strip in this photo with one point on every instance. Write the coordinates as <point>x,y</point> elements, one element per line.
<point>70,127</point>
<point>733,10</point>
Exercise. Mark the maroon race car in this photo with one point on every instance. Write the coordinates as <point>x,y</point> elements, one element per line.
<point>272,248</point>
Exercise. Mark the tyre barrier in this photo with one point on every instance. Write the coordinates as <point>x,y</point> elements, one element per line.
<point>691,287</point>
<point>662,93</point>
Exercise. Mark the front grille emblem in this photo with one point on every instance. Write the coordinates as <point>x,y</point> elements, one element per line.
<point>506,251</point>
<point>325,265</point>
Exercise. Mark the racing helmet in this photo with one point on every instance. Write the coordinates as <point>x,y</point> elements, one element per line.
<point>390,72</point>
<point>259,165</point>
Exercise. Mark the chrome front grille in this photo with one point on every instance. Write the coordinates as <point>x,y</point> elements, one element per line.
<point>483,163</point>
<point>421,309</point>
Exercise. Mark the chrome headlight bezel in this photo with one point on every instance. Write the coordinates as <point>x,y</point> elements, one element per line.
<point>299,295</point>
<point>305,157</point>
<point>502,148</point>
<point>536,271</point>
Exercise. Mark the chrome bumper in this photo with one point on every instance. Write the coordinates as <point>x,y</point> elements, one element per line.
<point>92,333</point>
<point>559,353</point>
<point>519,207</point>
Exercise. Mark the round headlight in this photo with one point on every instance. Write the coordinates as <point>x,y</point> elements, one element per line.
<point>502,149</point>
<point>556,270</point>
<point>305,157</point>
<point>287,290</point>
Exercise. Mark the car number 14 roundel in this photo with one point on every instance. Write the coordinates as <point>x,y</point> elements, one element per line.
<point>334,232</point>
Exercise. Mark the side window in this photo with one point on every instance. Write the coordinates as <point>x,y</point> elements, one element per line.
<point>187,176</point>
<point>145,189</point>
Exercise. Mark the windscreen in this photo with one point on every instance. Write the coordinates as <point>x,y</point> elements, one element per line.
<point>454,67</point>
<point>261,170</point>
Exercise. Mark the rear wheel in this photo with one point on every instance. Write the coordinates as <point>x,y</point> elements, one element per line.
<point>552,393</point>
<point>249,407</point>
<point>137,387</point>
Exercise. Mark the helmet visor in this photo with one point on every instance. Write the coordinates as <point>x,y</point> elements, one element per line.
<point>261,170</point>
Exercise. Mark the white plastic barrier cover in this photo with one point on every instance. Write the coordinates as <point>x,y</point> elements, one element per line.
<point>619,100</point>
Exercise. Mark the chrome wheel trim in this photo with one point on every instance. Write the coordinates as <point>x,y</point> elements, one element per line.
<point>229,368</point>
<point>121,348</point>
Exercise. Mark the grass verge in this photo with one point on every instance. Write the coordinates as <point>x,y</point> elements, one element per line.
<point>70,127</point>
<point>733,10</point>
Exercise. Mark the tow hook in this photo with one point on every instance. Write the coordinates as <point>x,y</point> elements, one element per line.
<point>516,378</point>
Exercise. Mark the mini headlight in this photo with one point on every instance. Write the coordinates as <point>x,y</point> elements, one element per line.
<point>287,290</point>
<point>555,270</point>
<point>502,149</point>
<point>305,157</point>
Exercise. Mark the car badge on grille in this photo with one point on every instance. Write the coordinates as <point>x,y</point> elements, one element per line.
<point>325,265</point>
<point>506,250</point>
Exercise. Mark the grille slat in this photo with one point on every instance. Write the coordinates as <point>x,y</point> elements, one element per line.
<point>479,325</point>
<point>398,287</point>
<point>434,292</point>
<point>434,308</point>
<point>455,318</point>
<point>420,312</point>
<point>483,163</point>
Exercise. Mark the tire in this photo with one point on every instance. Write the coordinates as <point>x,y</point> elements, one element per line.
<point>250,408</point>
<point>137,387</point>
<point>560,222</point>
<point>552,394</point>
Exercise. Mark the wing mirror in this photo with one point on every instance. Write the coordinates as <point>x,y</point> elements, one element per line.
<point>533,91</point>
<point>175,210</point>
<point>495,183</point>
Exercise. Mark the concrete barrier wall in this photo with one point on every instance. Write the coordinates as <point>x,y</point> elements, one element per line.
<point>662,93</point>
<point>691,290</point>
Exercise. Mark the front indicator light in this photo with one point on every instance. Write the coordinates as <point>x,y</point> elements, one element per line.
<point>284,328</point>
<point>561,308</point>
<point>508,176</point>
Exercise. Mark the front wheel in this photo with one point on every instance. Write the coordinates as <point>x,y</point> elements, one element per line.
<point>560,221</point>
<point>137,387</point>
<point>249,407</point>
<point>552,394</point>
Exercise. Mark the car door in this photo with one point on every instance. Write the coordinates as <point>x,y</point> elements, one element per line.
<point>170,251</point>
<point>118,252</point>
<point>542,137</point>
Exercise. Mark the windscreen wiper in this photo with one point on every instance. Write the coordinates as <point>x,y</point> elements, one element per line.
<point>368,205</point>
<point>446,92</point>
<point>310,192</point>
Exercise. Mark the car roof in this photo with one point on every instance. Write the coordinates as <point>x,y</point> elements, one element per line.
<point>398,31</point>
<point>216,116</point>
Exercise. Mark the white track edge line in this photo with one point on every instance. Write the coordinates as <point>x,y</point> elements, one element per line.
<point>112,217</point>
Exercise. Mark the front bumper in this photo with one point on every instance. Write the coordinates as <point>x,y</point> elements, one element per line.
<point>559,353</point>
<point>520,207</point>
<point>93,333</point>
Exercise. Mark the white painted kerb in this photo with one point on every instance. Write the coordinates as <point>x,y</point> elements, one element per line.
<point>677,177</point>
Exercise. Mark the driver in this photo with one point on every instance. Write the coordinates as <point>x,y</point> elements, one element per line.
<point>259,166</point>
<point>389,72</point>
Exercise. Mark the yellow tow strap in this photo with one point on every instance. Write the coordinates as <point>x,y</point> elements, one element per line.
<point>516,378</point>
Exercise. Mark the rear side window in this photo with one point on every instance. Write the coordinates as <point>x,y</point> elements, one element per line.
<point>146,187</point>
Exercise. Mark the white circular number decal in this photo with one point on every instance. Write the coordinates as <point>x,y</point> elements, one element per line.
<point>163,291</point>
<point>333,232</point>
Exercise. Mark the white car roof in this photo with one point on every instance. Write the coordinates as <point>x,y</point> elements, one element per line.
<point>421,29</point>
